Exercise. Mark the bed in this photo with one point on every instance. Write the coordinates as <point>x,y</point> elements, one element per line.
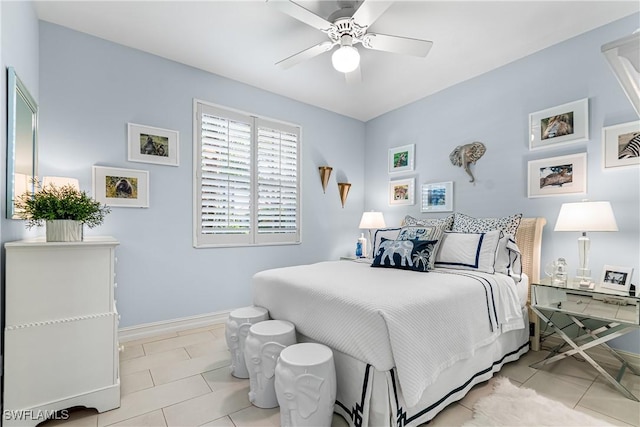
<point>407,344</point>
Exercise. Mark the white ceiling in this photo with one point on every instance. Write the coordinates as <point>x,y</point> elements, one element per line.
<point>243,39</point>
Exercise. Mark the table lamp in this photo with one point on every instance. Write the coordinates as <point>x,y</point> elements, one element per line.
<point>371,220</point>
<point>582,217</point>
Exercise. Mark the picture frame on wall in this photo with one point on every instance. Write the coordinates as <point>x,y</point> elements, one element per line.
<point>119,187</point>
<point>616,278</point>
<point>401,159</point>
<point>437,197</point>
<point>561,125</point>
<point>148,144</point>
<point>621,145</point>
<point>402,192</point>
<point>557,176</point>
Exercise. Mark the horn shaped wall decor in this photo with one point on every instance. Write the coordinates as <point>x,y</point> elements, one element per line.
<point>343,188</point>
<point>325,173</point>
<point>463,155</point>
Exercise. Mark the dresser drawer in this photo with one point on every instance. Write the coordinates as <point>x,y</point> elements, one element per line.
<point>58,360</point>
<point>55,282</point>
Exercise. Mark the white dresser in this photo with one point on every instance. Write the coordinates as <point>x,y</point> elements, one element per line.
<point>61,328</point>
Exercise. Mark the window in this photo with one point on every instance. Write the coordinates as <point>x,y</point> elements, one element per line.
<point>247,181</point>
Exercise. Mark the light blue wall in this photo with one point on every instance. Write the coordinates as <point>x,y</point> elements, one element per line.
<point>91,89</point>
<point>19,49</point>
<point>493,108</point>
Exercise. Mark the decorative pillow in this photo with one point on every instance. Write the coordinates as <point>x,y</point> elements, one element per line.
<point>508,257</point>
<point>468,251</point>
<point>383,233</point>
<point>467,224</point>
<point>423,232</point>
<point>446,223</point>
<point>405,254</point>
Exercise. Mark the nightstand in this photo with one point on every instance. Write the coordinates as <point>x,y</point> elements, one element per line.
<point>608,316</point>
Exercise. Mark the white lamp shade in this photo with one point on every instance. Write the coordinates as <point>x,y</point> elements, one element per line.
<point>60,181</point>
<point>371,220</point>
<point>586,216</point>
<point>346,59</point>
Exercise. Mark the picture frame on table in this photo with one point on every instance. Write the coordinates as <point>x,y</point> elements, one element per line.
<point>565,124</point>
<point>148,144</point>
<point>556,176</point>
<point>402,192</point>
<point>616,278</point>
<point>119,187</point>
<point>402,159</point>
<point>621,145</point>
<point>437,197</point>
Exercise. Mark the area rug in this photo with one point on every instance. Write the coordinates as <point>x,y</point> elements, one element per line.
<point>511,406</point>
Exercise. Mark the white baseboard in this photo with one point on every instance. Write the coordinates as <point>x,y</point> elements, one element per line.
<point>599,354</point>
<point>131,333</point>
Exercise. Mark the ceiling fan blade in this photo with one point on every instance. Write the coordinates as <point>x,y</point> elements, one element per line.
<point>369,11</point>
<point>305,54</point>
<point>354,77</point>
<point>301,14</point>
<point>396,44</point>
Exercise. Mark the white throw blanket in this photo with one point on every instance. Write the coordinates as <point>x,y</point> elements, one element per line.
<point>421,323</point>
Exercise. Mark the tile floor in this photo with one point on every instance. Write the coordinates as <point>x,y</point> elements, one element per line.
<point>183,379</point>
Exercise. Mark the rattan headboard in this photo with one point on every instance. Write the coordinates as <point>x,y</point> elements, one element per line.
<point>529,240</point>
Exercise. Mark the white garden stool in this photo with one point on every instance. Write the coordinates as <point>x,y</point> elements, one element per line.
<point>263,346</point>
<point>236,330</point>
<point>306,385</point>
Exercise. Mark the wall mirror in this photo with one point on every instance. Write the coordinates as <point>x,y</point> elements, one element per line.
<point>22,140</point>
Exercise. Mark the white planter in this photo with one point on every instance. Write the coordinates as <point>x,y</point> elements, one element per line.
<point>64,230</point>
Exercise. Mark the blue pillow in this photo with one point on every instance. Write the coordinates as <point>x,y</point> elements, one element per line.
<point>413,255</point>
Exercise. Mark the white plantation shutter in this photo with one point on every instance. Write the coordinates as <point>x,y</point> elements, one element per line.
<point>247,180</point>
<point>277,182</point>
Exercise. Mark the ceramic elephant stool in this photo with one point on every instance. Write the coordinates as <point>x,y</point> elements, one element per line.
<point>236,331</point>
<point>306,385</point>
<point>261,351</point>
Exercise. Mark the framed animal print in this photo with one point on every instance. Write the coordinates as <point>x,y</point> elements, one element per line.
<point>616,279</point>
<point>621,145</point>
<point>401,159</point>
<point>564,124</point>
<point>152,145</point>
<point>556,176</point>
<point>402,192</point>
<point>118,187</point>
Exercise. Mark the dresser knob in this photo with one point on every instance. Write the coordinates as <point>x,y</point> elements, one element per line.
<point>115,284</point>
<point>121,348</point>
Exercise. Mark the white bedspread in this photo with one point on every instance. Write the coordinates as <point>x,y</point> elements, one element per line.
<point>421,323</point>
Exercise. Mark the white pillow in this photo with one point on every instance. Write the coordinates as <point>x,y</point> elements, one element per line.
<point>469,251</point>
<point>508,258</point>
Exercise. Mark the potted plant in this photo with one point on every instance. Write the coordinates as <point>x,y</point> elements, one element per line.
<point>64,210</point>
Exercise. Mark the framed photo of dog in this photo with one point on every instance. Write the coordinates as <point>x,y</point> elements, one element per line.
<point>564,124</point>
<point>556,176</point>
<point>152,145</point>
<point>121,187</point>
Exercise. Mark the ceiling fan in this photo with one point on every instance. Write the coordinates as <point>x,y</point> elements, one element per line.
<point>347,27</point>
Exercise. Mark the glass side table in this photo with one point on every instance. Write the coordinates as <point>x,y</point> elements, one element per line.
<point>612,315</point>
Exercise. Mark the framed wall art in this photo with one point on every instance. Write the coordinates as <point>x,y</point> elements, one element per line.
<point>616,279</point>
<point>437,197</point>
<point>121,187</point>
<point>557,176</point>
<point>621,145</point>
<point>401,192</point>
<point>401,159</point>
<point>153,145</point>
<point>564,124</point>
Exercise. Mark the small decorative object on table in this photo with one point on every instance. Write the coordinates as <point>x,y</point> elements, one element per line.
<point>64,210</point>
<point>617,279</point>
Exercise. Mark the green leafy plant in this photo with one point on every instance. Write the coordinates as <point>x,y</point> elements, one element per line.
<point>66,202</point>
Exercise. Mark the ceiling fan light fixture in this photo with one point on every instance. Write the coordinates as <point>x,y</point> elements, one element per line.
<point>346,59</point>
